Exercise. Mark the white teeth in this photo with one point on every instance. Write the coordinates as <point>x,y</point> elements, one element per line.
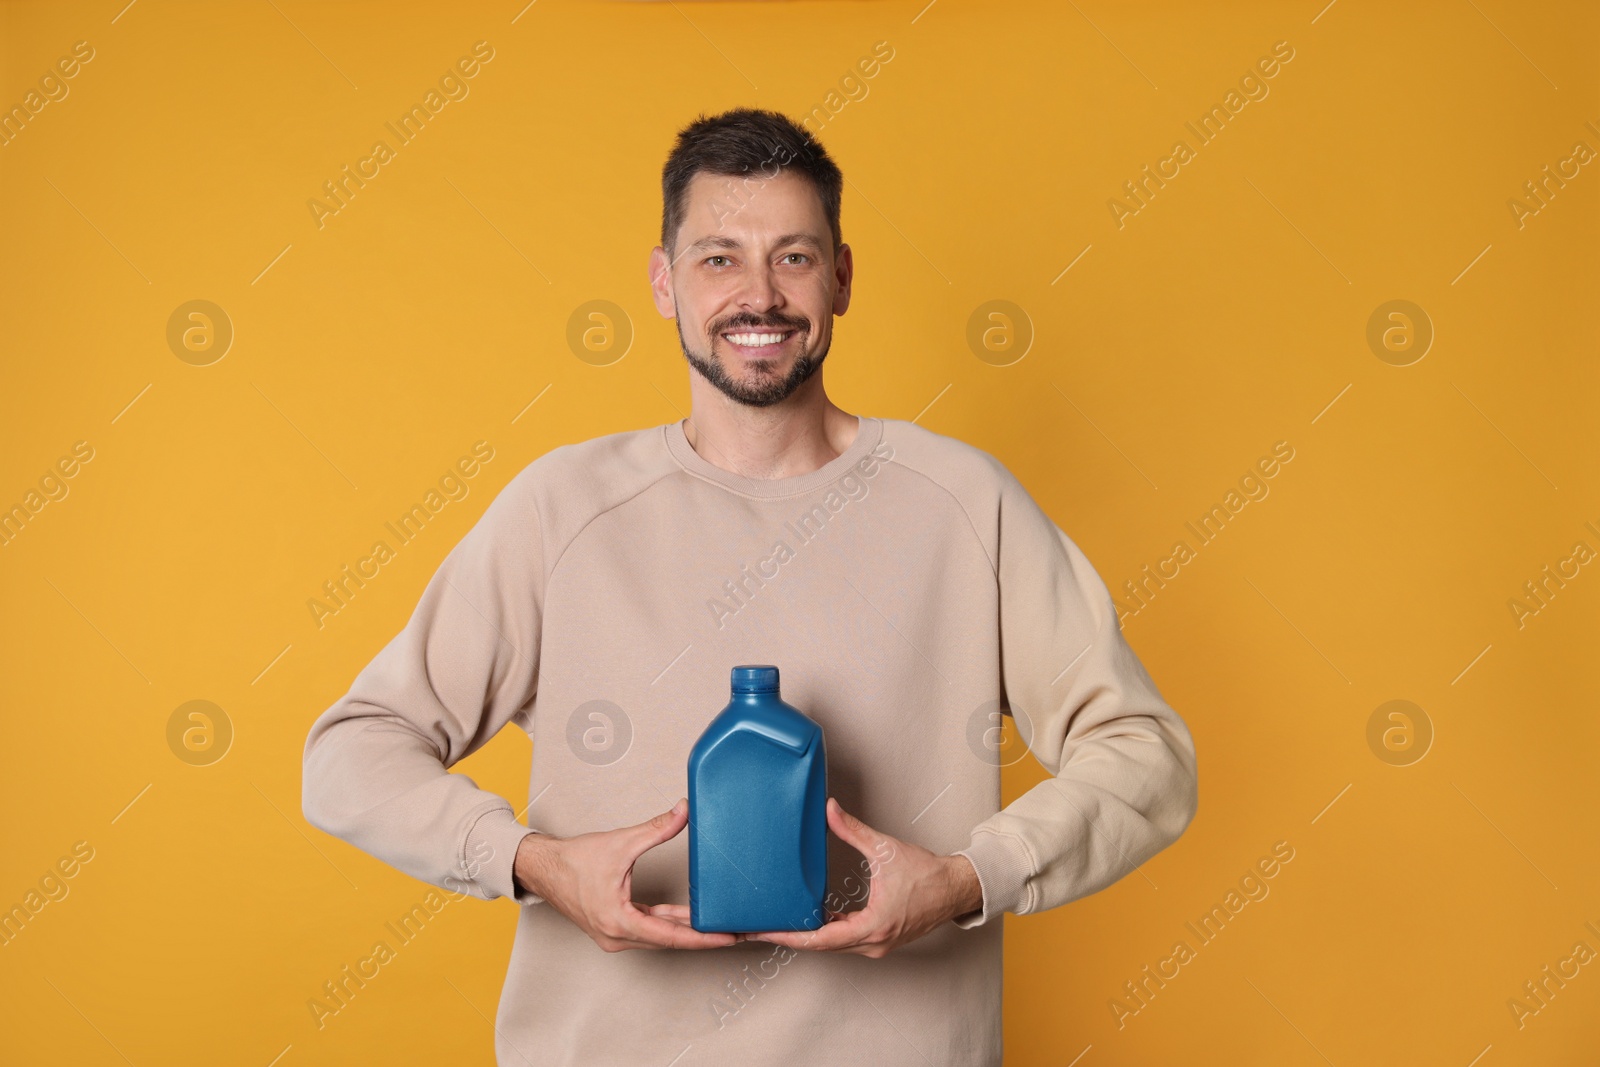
<point>752,340</point>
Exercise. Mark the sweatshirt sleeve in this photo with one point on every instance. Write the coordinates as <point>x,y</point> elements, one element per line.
<point>1123,783</point>
<point>376,763</point>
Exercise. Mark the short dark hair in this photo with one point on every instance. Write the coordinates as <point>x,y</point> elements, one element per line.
<point>734,144</point>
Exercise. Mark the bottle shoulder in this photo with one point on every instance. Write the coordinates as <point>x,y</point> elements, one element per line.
<point>770,721</point>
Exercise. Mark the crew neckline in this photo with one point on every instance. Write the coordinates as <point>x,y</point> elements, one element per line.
<point>869,431</point>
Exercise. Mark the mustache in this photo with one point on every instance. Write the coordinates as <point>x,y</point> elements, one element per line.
<point>751,322</point>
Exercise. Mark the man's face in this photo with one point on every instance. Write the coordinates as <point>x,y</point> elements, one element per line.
<point>754,284</point>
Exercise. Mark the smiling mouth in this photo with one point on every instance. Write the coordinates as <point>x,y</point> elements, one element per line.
<point>757,343</point>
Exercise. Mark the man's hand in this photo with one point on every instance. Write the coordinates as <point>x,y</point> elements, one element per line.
<point>913,892</point>
<point>589,879</point>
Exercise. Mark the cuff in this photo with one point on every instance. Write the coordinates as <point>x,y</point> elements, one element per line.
<point>488,854</point>
<point>1003,870</point>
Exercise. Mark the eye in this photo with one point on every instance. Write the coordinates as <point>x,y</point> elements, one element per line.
<point>800,255</point>
<point>710,258</point>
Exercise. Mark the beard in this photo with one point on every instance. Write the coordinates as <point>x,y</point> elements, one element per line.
<point>761,386</point>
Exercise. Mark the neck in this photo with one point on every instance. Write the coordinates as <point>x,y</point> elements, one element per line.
<point>791,438</point>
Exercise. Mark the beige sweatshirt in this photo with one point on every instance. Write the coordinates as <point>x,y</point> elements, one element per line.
<point>909,590</point>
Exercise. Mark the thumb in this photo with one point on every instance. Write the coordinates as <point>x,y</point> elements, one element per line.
<point>658,828</point>
<point>850,829</point>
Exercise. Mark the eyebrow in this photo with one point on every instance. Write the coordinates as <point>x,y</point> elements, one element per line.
<point>717,240</point>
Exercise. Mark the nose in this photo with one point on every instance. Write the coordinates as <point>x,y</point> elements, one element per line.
<point>760,292</point>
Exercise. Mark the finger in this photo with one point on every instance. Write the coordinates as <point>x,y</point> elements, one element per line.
<point>653,831</point>
<point>676,913</point>
<point>842,934</point>
<point>664,933</point>
<point>852,831</point>
<point>672,912</point>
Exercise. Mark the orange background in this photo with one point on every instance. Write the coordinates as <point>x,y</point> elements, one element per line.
<point>1229,313</point>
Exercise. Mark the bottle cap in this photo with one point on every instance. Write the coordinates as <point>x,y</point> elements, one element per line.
<point>755,678</point>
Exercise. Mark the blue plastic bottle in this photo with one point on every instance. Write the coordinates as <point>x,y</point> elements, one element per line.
<point>758,786</point>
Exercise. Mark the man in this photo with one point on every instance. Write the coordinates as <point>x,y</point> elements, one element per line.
<point>910,591</point>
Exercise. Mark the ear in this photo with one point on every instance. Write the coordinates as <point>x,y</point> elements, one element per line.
<point>661,282</point>
<point>844,269</point>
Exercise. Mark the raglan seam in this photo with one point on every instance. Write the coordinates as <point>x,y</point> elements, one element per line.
<point>993,567</point>
<point>675,469</point>
<point>608,509</point>
<point>657,483</point>
<point>508,498</point>
<point>679,468</point>
<point>1096,609</point>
